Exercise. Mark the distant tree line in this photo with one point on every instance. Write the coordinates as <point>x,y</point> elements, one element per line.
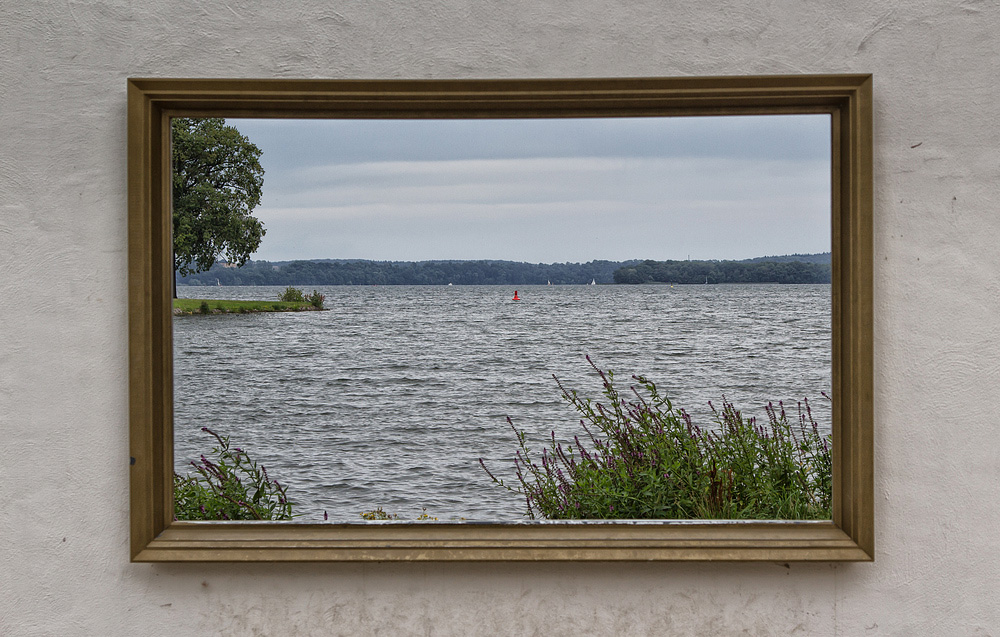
<point>362,272</point>
<point>807,268</point>
<point>751,271</point>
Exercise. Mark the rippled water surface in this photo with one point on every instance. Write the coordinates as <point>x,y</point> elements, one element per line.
<point>390,398</point>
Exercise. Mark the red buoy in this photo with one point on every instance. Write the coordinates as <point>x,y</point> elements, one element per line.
<point>516,297</point>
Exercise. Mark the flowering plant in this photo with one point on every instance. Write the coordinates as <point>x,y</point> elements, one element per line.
<point>643,459</point>
<point>231,486</point>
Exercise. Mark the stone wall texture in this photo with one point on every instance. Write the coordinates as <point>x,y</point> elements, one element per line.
<point>64,567</point>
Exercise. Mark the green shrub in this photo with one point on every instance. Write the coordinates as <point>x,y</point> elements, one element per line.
<point>646,460</point>
<point>203,308</point>
<point>231,486</point>
<point>316,300</point>
<point>292,295</point>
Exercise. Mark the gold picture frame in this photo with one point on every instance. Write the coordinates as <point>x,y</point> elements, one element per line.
<point>155,537</point>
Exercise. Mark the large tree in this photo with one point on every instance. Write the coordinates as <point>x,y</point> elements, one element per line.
<point>217,184</point>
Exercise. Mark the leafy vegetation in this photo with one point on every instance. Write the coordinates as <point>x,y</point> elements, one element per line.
<point>230,486</point>
<point>787,269</point>
<point>217,182</point>
<point>316,299</point>
<point>753,271</point>
<point>295,295</point>
<point>362,272</point>
<point>292,295</point>
<point>644,459</point>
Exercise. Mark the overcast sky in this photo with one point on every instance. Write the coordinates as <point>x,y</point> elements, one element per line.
<point>544,191</point>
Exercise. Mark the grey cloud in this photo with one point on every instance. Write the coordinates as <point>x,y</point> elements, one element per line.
<point>544,191</point>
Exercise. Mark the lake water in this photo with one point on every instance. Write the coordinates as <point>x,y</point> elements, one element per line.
<point>389,399</point>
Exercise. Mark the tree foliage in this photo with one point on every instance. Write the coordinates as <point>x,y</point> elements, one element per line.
<point>788,269</point>
<point>752,271</point>
<point>362,272</point>
<point>217,182</point>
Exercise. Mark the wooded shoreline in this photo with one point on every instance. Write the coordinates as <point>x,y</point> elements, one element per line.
<point>796,268</point>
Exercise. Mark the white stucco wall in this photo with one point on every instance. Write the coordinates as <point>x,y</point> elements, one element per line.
<point>64,567</point>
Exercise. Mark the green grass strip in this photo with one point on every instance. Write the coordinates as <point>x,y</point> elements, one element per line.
<point>219,306</point>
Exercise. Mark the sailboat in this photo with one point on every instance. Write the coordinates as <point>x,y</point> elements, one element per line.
<point>593,281</point>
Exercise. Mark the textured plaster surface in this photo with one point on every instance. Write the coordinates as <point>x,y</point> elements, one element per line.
<point>63,367</point>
